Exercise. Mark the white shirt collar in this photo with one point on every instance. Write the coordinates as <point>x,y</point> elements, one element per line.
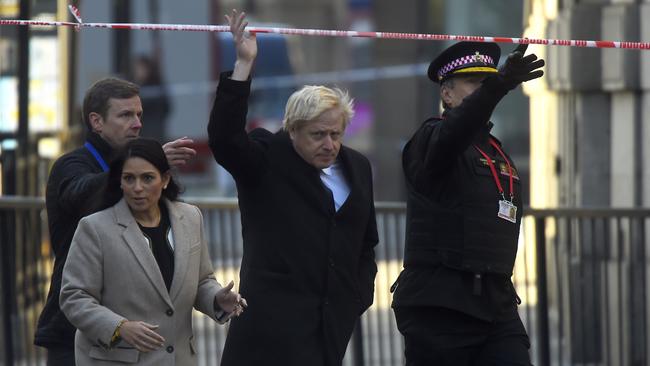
<point>328,170</point>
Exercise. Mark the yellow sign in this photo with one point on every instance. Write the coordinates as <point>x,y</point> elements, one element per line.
<point>9,8</point>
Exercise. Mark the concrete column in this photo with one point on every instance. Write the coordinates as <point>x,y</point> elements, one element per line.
<point>624,155</point>
<point>620,68</point>
<point>566,169</point>
<point>592,150</point>
<point>644,29</point>
<point>644,163</point>
<point>583,153</point>
<point>621,76</point>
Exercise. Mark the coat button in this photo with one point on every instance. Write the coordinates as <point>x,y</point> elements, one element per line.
<point>331,263</point>
<point>170,349</point>
<point>169,312</point>
<point>325,301</point>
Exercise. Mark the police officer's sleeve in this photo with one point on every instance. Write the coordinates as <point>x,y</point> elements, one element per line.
<point>437,144</point>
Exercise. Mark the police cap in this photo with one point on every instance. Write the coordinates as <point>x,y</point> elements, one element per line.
<point>465,58</point>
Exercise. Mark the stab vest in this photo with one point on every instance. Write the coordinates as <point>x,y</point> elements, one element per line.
<point>469,236</point>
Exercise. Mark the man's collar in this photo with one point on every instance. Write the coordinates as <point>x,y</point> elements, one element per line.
<point>100,145</point>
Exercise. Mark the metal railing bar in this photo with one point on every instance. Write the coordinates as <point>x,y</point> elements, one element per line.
<point>581,280</point>
<point>560,296</point>
<point>604,237</point>
<point>373,347</point>
<point>530,328</point>
<point>571,281</point>
<point>388,314</point>
<point>208,217</point>
<point>587,212</point>
<point>595,293</point>
<point>397,246</point>
<point>637,313</point>
<point>21,202</point>
<point>26,202</point>
<point>542,293</point>
<point>619,244</point>
<point>640,259</point>
<point>32,279</point>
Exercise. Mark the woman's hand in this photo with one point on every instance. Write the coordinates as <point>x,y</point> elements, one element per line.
<point>141,335</point>
<point>245,44</point>
<point>230,301</point>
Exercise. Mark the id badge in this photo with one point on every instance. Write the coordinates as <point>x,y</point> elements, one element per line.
<point>507,211</point>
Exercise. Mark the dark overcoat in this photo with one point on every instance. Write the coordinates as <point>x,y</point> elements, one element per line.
<point>307,270</point>
<point>74,188</point>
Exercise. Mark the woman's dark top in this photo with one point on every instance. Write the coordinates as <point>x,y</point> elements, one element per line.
<point>160,246</point>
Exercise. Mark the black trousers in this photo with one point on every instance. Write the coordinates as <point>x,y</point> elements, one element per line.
<point>439,336</point>
<point>60,356</point>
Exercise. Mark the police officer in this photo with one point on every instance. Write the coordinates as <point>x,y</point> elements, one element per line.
<point>454,302</point>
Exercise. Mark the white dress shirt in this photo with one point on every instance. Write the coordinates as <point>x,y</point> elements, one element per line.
<point>334,179</point>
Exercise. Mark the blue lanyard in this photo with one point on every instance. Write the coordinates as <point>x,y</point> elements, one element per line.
<point>98,157</point>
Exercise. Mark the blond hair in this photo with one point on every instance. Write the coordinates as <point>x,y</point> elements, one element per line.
<point>311,101</point>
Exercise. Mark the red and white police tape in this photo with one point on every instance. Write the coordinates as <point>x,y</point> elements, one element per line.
<point>330,33</point>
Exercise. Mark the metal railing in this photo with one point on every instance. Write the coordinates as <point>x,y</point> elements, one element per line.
<point>25,269</point>
<point>581,275</point>
<point>592,286</point>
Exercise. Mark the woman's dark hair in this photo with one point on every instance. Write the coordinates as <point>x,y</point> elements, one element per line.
<point>147,149</point>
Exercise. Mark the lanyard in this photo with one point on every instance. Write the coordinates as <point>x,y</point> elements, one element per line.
<point>494,171</point>
<point>98,157</point>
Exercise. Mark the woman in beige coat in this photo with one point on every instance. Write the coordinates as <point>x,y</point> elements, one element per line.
<point>136,269</point>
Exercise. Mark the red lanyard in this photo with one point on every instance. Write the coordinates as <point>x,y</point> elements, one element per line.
<point>494,171</point>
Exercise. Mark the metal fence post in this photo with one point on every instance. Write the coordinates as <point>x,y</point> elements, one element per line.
<point>7,238</point>
<point>542,292</point>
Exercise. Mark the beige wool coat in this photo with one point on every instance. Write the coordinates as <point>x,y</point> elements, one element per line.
<point>111,274</point>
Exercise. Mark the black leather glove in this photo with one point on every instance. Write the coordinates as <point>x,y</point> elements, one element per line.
<point>518,68</point>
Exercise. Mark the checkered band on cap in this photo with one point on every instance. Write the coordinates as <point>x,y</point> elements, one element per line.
<point>469,59</point>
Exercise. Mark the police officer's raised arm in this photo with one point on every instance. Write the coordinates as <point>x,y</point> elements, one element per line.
<point>437,143</point>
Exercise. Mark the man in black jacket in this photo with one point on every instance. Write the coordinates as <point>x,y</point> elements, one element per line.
<point>454,302</point>
<point>113,114</point>
<point>308,221</point>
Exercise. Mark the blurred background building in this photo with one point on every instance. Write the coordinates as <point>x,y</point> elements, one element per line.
<point>588,114</point>
<point>588,123</point>
<point>576,135</point>
<point>45,72</point>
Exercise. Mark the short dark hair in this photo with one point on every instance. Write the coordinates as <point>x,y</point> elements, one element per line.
<point>98,95</point>
<point>147,149</point>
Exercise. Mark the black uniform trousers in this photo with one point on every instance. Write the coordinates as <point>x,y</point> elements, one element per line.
<point>437,336</point>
